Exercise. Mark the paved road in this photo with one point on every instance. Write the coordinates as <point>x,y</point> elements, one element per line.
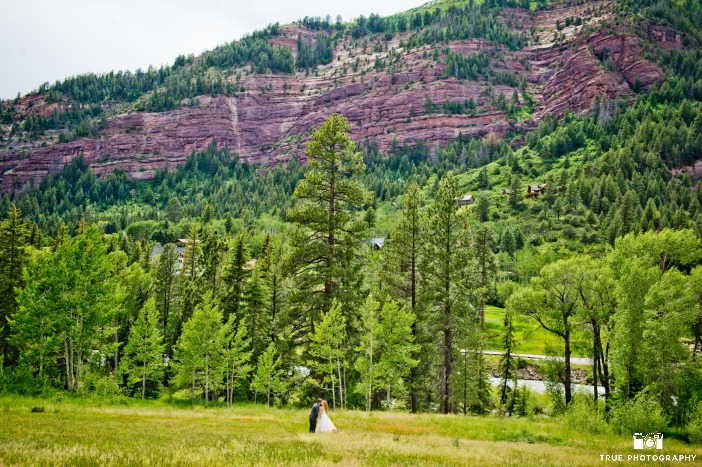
<point>573,360</point>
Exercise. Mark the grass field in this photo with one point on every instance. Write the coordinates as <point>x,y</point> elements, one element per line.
<point>78,432</point>
<point>530,338</point>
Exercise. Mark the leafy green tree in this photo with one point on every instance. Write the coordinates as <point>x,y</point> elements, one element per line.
<point>325,244</point>
<point>596,287</point>
<point>551,300</point>
<point>237,357</point>
<point>670,308</point>
<point>268,376</point>
<point>638,262</point>
<point>135,285</point>
<point>13,259</point>
<point>327,349</point>
<point>446,272</point>
<point>36,332</point>
<point>368,349</point>
<point>199,353</point>
<point>72,294</point>
<point>397,347</point>
<point>143,355</point>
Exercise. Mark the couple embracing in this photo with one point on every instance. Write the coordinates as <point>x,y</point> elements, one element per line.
<point>319,418</point>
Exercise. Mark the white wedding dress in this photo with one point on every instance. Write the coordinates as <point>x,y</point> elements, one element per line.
<point>324,425</point>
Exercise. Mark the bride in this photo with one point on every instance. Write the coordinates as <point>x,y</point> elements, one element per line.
<point>324,424</point>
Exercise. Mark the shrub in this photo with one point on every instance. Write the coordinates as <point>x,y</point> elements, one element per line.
<point>505,290</point>
<point>643,414</point>
<point>582,414</point>
<point>694,426</point>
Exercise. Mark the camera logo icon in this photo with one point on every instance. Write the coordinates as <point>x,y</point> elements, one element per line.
<point>648,441</point>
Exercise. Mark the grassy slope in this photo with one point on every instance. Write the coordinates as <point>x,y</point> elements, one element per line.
<point>530,337</point>
<point>73,432</point>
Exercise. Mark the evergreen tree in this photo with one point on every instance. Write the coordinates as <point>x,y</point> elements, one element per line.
<point>13,259</point>
<point>235,277</point>
<point>143,354</point>
<point>325,244</point>
<point>446,272</point>
<point>507,366</point>
<point>515,191</point>
<point>401,274</point>
<point>164,290</point>
<point>256,313</point>
<point>483,207</point>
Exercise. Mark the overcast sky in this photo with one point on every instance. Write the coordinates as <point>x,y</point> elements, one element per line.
<point>46,40</point>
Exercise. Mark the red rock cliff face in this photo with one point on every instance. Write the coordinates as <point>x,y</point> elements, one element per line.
<point>270,121</point>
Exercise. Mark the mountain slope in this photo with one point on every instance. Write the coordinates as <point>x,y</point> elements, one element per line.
<point>392,85</point>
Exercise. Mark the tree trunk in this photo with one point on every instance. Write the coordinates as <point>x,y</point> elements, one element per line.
<point>387,399</point>
<point>143,383</point>
<point>341,390</point>
<point>566,382</point>
<point>207,380</point>
<point>116,346</point>
<point>333,391</point>
<point>595,359</point>
<point>414,396</point>
<point>328,292</point>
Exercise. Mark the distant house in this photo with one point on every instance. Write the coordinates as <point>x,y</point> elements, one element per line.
<point>250,265</point>
<point>180,256</point>
<point>533,191</point>
<point>465,200</point>
<point>377,243</point>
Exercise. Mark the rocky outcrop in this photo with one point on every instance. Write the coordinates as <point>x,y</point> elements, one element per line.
<point>626,55</point>
<point>581,79</point>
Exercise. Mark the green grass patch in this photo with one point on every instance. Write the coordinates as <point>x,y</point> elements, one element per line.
<point>73,431</point>
<point>529,336</point>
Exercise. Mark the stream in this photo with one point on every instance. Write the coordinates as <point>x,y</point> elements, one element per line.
<point>540,386</point>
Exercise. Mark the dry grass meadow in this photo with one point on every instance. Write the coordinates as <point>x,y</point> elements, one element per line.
<point>78,432</point>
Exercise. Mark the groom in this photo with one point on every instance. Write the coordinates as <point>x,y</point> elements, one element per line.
<point>313,415</point>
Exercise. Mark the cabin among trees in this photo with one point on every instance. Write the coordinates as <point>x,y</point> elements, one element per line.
<point>466,200</point>
<point>377,243</point>
<point>533,191</point>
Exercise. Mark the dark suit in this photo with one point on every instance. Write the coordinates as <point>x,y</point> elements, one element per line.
<point>313,417</point>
